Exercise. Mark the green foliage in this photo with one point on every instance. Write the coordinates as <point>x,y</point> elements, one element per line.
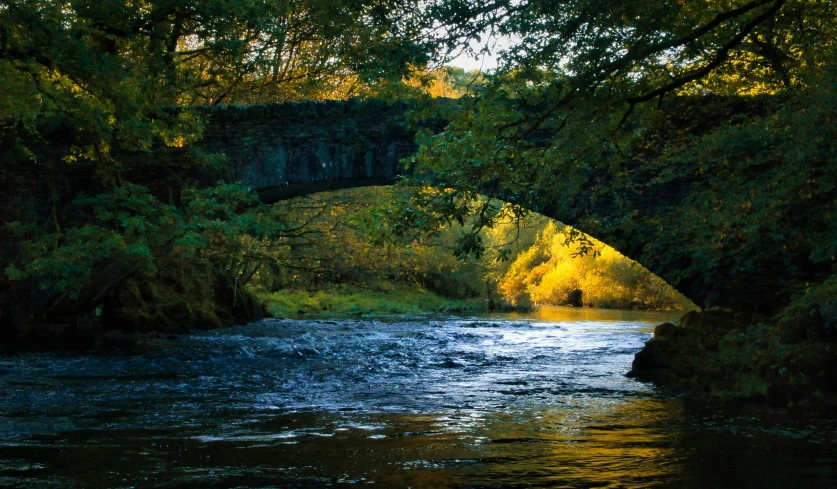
<point>180,294</point>
<point>812,314</point>
<point>368,299</point>
<point>222,225</point>
<point>349,244</point>
<point>729,178</point>
<point>63,262</point>
<point>85,82</point>
<point>697,136</point>
<point>353,237</point>
<point>771,196</point>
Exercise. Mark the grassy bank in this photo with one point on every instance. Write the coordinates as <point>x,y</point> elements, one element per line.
<point>375,300</point>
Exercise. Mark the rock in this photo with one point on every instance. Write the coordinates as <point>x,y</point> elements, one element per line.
<point>684,356</point>
<point>669,357</point>
<point>728,355</point>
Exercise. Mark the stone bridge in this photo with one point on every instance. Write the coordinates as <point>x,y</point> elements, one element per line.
<point>278,150</point>
<point>294,149</point>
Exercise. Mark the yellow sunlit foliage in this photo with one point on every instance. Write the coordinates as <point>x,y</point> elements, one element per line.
<point>551,273</point>
<point>442,82</point>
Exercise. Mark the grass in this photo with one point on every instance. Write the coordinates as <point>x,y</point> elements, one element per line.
<point>376,300</point>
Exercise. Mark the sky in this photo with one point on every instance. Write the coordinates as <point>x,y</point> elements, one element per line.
<point>484,61</point>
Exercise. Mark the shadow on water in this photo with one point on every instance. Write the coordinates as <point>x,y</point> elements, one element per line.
<point>486,402</point>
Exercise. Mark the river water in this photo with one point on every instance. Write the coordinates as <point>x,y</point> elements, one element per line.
<point>498,401</point>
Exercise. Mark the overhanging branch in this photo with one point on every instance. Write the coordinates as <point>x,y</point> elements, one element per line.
<point>719,58</point>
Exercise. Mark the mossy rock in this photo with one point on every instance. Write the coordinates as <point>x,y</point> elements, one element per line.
<point>670,356</point>
<point>714,324</point>
<point>179,311</point>
<point>207,321</point>
<point>684,356</point>
<point>737,356</point>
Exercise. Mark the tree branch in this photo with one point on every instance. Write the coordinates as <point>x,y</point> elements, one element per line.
<point>720,57</point>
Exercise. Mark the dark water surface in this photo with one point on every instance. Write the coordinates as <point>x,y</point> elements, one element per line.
<point>501,401</point>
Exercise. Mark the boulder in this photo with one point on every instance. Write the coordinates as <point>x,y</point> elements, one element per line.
<point>669,357</point>
<point>729,355</point>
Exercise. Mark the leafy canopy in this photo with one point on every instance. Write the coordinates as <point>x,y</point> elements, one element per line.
<point>695,136</point>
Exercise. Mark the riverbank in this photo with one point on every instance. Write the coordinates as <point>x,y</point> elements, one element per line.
<point>377,300</point>
<point>727,355</point>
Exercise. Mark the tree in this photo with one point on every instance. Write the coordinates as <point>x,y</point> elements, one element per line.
<point>86,82</point>
<point>111,70</point>
<point>693,136</point>
<point>551,272</point>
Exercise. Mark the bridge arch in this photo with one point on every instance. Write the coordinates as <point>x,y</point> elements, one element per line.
<point>290,150</point>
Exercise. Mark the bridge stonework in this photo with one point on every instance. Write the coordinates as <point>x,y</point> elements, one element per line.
<point>287,150</point>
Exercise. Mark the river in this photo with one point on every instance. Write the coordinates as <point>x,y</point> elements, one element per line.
<point>511,400</point>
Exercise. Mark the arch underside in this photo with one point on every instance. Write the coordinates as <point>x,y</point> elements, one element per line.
<point>292,150</point>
